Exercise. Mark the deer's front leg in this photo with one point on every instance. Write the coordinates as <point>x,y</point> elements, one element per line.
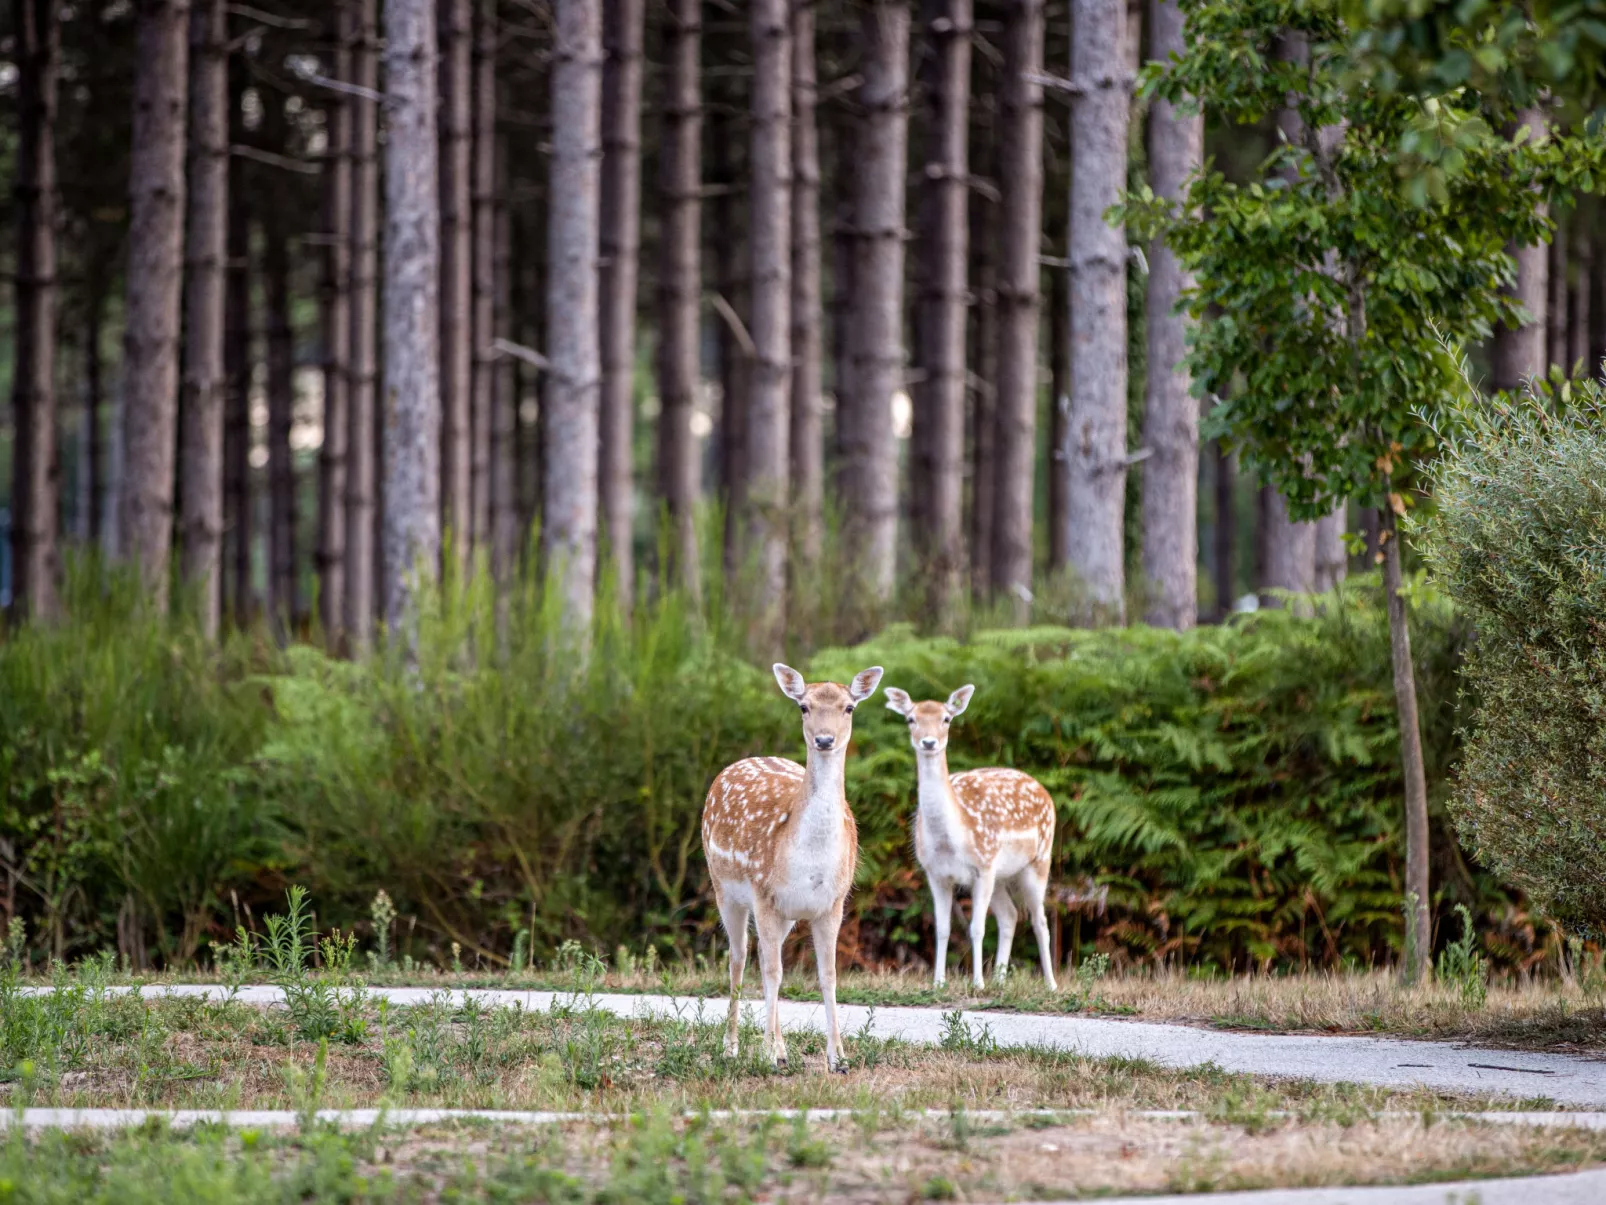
<point>734,917</point>
<point>942,900</point>
<point>772,931</point>
<point>825,929</point>
<point>981,899</point>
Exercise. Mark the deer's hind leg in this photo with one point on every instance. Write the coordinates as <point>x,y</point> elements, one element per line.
<point>734,915</point>
<point>772,931</point>
<point>1003,907</point>
<point>1033,887</point>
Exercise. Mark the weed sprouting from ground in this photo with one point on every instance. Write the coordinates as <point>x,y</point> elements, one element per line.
<point>1463,966</point>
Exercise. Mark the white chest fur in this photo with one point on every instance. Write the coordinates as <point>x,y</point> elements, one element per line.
<point>942,842</point>
<point>814,863</point>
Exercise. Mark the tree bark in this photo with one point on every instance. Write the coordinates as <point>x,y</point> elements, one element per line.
<point>1096,441</point>
<point>456,263</point>
<point>1331,556</point>
<point>1418,946</point>
<point>361,561</point>
<point>807,447</point>
<point>1225,542</point>
<point>680,287</point>
<point>937,438</point>
<point>770,248</point>
<point>1171,412</point>
<point>412,420</point>
<point>1520,352</point>
<point>505,527</point>
<point>1059,407</point>
<point>283,593</point>
<point>1557,297</point>
<point>1597,305</point>
<point>35,504</point>
<point>984,356</point>
<point>237,510</point>
<point>1579,317</point>
<point>621,252</point>
<point>869,448</point>
<point>94,396</point>
<point>1020,178</point>
<point>487,213</point>
<point>155,272</point>
<point>735,365</point>
<point>1288,550</point>
<point>336,321</point>
<point>570,479</point>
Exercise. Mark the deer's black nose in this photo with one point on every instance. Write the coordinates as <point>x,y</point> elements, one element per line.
<point>824,741</point>
<point>928,742</point>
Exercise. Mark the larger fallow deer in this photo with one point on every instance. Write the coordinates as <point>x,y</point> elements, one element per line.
<point>781,846</point>
<point>990,830</point>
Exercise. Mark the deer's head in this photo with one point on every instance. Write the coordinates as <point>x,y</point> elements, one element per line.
<point>827,708</point>
<point>929,721</point>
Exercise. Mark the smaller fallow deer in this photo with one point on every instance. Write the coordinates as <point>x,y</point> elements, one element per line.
<point>990,830</point>
<point>781,846</point>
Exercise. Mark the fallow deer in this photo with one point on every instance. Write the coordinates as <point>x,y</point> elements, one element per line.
<point>781,846</point>
<point>990,830</point>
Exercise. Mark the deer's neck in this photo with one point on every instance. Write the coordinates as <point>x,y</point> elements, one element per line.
<point>933,788</point>
<point>824,795</point>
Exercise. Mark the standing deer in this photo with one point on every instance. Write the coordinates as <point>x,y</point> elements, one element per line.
<point>781,847</point>
<point>991,830</point>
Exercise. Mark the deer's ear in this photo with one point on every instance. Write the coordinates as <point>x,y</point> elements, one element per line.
<point>960,699</point>
<point>792,684</point>
<point>864,683</point>
<point>898,700</point>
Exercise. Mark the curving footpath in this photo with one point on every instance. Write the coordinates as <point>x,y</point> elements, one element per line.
<point>1568,1080</point>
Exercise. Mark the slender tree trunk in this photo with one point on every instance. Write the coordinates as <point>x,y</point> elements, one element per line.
<point>680,285</point>
<point>1171,412</point>
<point>283,594</point>
<point>1597,305</point>
<point>1556,301</point>
<point>570,511</point>
<point>155,275</point>
<point>1331,556</point>
<point>237,509</point>
<point>770,246</point>
<point>335,298</point>
<point>35,504</point>
<point>1579,306</point>
<point>937,438</point>
<point>1226,532</point>
<point>1096,441</point>
<point>842,128</point>
<point>412,430</point>
<point>456,262</point>
<point>621,251</point>
<point>1289,559</point>
<point>361,444</point>
<point>504,417</point>
<point>487,215</point>
<point>1059,401</point>
<point>94,397</point>
<point>1418,935</point>
<point>1520,352</point>
<point>735,365</point>
<point>869,448</point>
<point>807,447</point>
<point>530,305</point>
<point>1020,177</point>
<point>984,355</point>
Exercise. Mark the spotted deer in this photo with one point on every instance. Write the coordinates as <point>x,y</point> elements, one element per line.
<point>781,846</point>
<point>990,830</point>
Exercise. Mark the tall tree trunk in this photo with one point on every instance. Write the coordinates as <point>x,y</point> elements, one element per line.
<point>869,447</point>
<point>1579,304</point>
<point>735,365</point>
<point>35,504</point>
<point>1556,299</point>
<point>1419,949</point>
<point>1288,560</point>
<point>1059,403</point>
<point>1096,441</point>
<point>456,262</point>
<point>1520,352</point>
<point>506,530</point>
<point>1225,549</point>
<point>1331,556</point>
<point>283,593</point>
<point>487,213</point>
<point>335,301</point>
<point>770,246</point>
<point>412,421</point>
<point>937,438</point>
<point>94,396</point>
<point>1020,178</point>
<point>984,355</point>
<point>361,561</point>
<point>1171,412</point>
<point>570,511</point>
<point>680,286</point>
<point>807,447</point>
<point>621,251</point>
<point>237,509</point>
<point>1597,304</point>
<point>155,277</point>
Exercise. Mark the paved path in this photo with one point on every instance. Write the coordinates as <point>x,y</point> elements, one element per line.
<point>1575,1188</point>
<point>1388,1062</point>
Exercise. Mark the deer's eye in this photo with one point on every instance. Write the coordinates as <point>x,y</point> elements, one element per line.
<point>803,707</point>
<point>850,709</point>
<point>947,719</point>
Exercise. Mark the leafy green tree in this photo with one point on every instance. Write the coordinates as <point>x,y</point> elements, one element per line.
<point>1338,293</point>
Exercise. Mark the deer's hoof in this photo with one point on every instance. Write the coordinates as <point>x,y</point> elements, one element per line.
<point>838,1066</point>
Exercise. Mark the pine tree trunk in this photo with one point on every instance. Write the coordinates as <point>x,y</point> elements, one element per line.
<point>770,246</point>
<point>1096,441</point>
<point>506,529</point>
<point>869,448</point>
<point>1418,947</point>
<point>1578,309</point>
<point>283,595</point>
<point>1597,304</point>
<point>1020,178</point>
<point>361,444</point>
<point>1171,412</point>
<point>1288,551</point>
<point>680,286</point>
<point>1059,407</point>
<point>569,512</point>
<point>984,356</point>
<point>1556,299</point>
<point>806,443</point>
<point>487,213</point>
<point>941,254</point>
<point>1225,549</point>
<point>237,510</point>
<point>155,277</point>
<point>412,331</point>
<point>336,321</point>
<point>621,251</point>
<point>1331,556</point>
<point>1520,352</point>
<point>456,262</point>
<point>94,397</point>
<point>37,34</point>
<point>735,365</point>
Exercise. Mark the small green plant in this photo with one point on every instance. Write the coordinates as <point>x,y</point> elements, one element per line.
<point>17,943</point>
<point>383,914</point>
<point>803,1150</point>
<point>939,1188</point>
<point>1463,966</point>
<point>959,1037</point>
<point>236,960</point>
<point>318,1007</point>
<point>1090,970</point>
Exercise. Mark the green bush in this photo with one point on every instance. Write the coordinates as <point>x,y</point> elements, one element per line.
<point>1520,544</point>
